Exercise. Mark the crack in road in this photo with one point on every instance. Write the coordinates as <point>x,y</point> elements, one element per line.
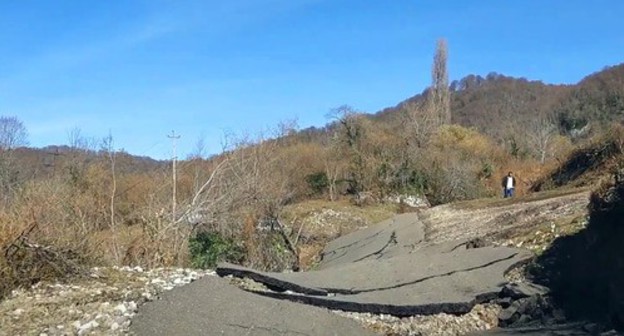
<point>332,252</point>
<point>384,308</point>
<point>269,281</point>
<point>299,289</point>
<point>355,292</point>
<point>392,241</point>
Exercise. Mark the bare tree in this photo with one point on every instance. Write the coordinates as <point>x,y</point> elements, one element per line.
<point>199,152</point>
<point>333,165</point>
<point>13,133</point>
<point>439,95</point>
<point>421,120</point>
<point>540,133</point>
<point>285,129</point>
<point>420,125</point>
<point>79,142</point>
<point>108,148</point>
<point>349,136</point>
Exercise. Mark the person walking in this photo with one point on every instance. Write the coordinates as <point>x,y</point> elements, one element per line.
<point>509,184</point>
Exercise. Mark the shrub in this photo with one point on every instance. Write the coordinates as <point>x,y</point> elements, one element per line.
<point>209,248</point>
<point>595,156</point>
<point>317,182</point>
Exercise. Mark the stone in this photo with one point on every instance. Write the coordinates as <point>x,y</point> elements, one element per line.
<point>132,306</point>
<point>85,328</point>
<point>504,302</point>
<point>522,290</point>
<point>121,309</point>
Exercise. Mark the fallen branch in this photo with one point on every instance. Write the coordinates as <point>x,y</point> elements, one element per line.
<point>289,243</point>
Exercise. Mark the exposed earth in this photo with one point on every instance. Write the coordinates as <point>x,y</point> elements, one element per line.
<point>449,270</point>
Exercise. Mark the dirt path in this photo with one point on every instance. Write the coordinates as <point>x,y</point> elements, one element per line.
<point>501,219</point>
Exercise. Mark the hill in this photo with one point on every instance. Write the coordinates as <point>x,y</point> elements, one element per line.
<point>487,102</point>
<point>482,103</point>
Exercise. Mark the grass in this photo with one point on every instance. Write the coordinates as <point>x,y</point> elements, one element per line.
<point>372,214</point>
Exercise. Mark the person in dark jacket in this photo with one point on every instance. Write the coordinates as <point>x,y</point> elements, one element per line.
<point>509,184</point>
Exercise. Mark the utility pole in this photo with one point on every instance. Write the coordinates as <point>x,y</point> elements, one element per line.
<point>173,138</point>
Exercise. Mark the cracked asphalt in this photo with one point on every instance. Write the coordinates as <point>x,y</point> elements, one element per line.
<point>211,306</point>
<point>388,268</point>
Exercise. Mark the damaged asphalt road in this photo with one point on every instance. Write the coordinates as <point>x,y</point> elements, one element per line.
<point>211,306</point>
<point>387,268</point>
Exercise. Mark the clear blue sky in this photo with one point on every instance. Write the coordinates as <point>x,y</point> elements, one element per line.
<point>140,69</point>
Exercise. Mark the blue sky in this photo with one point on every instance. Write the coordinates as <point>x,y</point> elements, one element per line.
<point>139,69</point>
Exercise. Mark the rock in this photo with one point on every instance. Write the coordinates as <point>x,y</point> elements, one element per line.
<point>121,320</point>
<point>132,306</point>
<point>85,328</point>
<point>522,290</point>
<point>504,302</point>
<point>413,201</point>
<point>158,281</point>
<point>571,329</point>
<point>509,315</point>
<point>529,312</point>
<point>121,309</point>
<point>477,243</point>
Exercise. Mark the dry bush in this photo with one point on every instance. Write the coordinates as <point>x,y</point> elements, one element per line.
<point>29,252</point>
<point>253,179</point>
<point>74,228</point>
<point>300,161</point>
<point>455,137</point>
<point>458,164</point>
<point>588,163</point>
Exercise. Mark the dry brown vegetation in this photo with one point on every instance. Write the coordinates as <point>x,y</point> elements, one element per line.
<point>587,164</point>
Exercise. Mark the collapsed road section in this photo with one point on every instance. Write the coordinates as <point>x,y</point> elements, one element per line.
<point>389,269</point>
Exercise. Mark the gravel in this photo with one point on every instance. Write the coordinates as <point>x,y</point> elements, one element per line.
<point>104,304</point>
<point>481,317</point>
